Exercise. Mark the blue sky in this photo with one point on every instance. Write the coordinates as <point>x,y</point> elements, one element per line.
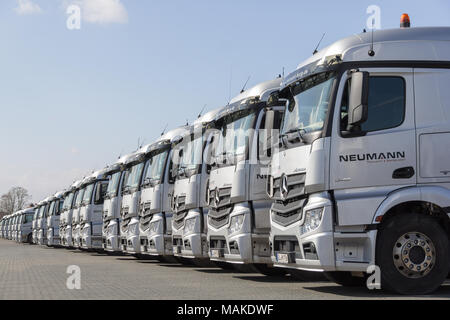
<point>73,100</point>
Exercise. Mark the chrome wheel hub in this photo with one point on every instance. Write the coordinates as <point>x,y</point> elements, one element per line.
<point>414,255</point>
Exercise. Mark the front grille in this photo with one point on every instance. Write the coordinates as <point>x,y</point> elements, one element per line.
<point>219,212</point>
<point>145,216</point>
<point>178,219</point>
<point>287,208</point>
<point>124,225</point>
<point>295,186</point>
<point>179,204</point>
<point>286,213</point>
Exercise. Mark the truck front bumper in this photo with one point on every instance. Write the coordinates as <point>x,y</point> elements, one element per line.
<point>323,248</point>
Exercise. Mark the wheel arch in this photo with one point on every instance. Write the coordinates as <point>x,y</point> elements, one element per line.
<point>432,200</point>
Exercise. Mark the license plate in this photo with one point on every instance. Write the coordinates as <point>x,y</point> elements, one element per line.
<point>215,253</point>
<point>283,258</point>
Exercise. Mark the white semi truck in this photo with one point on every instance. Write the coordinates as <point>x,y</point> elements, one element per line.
<point>191,173</point>
<point>91,212</point>
<point>15,220</point>
<point>116,175</point>
<point>129,212</point>
<point>238,222</point>
<point>53,216</point>
<point>76,242</point>
<point>362,179</point>
<point>25,225</point>
<point>155,215</point>
<point>42,222</point>
<point>67,214</point>
<point>34,228</point>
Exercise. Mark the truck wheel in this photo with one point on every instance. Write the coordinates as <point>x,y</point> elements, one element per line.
<point>345,279</point>
<point>269,271</point>
<point>412,253</point>
<point>309,276</point>
<point>30,239</point>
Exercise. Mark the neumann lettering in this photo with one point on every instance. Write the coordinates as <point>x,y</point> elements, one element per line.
<point>397,155</point>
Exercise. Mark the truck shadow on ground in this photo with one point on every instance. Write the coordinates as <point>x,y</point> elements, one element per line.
<point>215,270</point>
<point>362,292</point>
<point>268,279</point>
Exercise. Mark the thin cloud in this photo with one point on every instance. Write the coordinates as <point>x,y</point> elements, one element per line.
<point>102,11</point>
<point>27,7</point>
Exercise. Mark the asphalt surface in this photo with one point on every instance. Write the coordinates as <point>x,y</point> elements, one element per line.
<point>34,272</point>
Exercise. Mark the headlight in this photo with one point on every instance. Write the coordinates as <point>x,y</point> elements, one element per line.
<point>189,226</point>
<point>154,226</point>
<point>236,223</point>
<point>313,218</point>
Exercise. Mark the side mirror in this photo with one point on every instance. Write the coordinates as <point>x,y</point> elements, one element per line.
<point>358,100</point>
<point>274,99</point>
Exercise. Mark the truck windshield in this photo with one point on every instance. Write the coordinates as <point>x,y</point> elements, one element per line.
<point>134,177</point>
<point>68,201</point>
<point>41,212</point>
<point>87,194</point>
<point>192,154</point>
<point>155,168</point>
<point>51,209</point>
<point>79,198</point>
<point>28,218</point>
<point>113,185</point>
<point>233,137</point>
<point>309,103</point>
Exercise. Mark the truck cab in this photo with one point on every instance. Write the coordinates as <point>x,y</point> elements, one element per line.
<point>238,206</point>
<point>129,212</point>
<point>91,212</point>
<point>25,226</point>
<point>157,188</point>
<point>53,219</point>
<point>42,223</point>
<point>191,173</point>
<point>76,235</point>
<point>362,180</point>
<point>65,221</point>
<point>34,223</point>
<point>116,174</point>
<point>14,225</point>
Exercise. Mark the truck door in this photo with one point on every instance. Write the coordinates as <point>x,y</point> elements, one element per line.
<point>365,168</point>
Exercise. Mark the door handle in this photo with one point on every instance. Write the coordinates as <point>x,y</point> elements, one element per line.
<point>403,173</point>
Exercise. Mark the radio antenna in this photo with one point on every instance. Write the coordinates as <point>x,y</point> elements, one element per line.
<point>203,109</point>
<point>317,47</point>
<point>164,130</point>
<point>371,52</point>
<point>229,85</point>
<point>245,84</point>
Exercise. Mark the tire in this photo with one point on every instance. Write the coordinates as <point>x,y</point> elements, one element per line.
<point>430,253</point>
<point>345,279</point>
<point>269,271</point>
<point>307,276</point>
<point>30,238</point>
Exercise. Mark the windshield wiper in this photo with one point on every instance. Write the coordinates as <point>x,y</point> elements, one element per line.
<point>300,132</point>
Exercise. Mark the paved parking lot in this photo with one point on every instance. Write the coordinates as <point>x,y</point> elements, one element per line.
<point>33,272</point>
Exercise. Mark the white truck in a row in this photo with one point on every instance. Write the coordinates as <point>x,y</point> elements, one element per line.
<point>342,168</point>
